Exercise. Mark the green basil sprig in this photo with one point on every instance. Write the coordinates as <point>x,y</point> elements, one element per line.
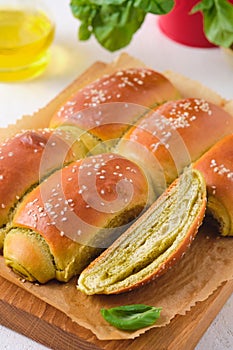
<point>218,21</point>
<point>131,317</point>
<point>114,22</point>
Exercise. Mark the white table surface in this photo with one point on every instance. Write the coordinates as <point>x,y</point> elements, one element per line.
<point>69,58</point>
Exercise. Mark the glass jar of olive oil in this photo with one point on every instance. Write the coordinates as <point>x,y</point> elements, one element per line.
<point>26,32</point>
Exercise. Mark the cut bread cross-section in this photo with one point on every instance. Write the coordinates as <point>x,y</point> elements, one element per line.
<point>154,243</point>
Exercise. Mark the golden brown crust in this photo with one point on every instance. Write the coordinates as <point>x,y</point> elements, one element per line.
<point>140,86</point>
<point>217,168</point>
<point>24,160</point>
<point>175,135</point>
<point>71,207</point>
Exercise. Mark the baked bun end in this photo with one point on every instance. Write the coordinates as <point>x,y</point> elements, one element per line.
<point>217,167</point>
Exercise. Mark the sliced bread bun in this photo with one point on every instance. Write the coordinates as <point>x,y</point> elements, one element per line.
<point>108,106</point>
<point>153,244</point>
<point>28,158</point>
<point>71,217</point>
<point>175,135</point>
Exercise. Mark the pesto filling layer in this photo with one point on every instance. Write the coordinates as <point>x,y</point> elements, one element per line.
<point>147,245</point>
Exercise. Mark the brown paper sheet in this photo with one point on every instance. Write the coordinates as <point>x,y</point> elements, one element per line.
<point>207,264</point>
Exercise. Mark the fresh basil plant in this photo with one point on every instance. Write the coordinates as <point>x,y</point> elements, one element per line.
<point>114,22</point>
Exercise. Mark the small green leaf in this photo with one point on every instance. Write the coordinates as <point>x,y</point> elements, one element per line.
<point>202,5</point>
<point>84,32</point>
<point>131,317</point>
<point>218,21</point>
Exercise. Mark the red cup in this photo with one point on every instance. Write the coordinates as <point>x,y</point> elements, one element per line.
<point>183,27</point>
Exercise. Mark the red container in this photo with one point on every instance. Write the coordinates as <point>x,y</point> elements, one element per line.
<point>183,27</point>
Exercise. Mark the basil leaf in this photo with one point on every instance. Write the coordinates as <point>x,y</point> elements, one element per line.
<point>131,317</point>
<point>84,32</point>
<point>114,26</point>
<point>114,22</point>
<point>159,7</point>
<point>218,21</point>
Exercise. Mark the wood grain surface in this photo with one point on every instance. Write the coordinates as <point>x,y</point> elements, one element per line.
<point>32,317</point>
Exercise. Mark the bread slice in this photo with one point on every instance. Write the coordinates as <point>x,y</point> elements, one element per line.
<point>152,244</point>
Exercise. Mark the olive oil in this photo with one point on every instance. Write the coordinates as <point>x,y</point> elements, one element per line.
<point>24,40</point>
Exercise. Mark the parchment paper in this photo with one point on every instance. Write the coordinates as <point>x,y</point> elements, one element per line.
<point>207,264</point>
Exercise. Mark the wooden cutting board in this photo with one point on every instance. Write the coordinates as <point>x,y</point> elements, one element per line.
<point>32,317</point>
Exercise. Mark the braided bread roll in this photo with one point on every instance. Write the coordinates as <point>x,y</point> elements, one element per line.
<point>161,142</point>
